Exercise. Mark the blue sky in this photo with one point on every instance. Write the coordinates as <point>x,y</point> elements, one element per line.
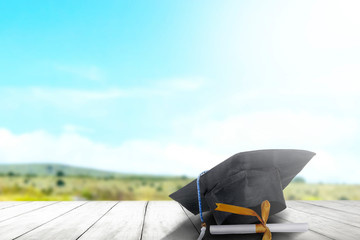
<point>175,87</point>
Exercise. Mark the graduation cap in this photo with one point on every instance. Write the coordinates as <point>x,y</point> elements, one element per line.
<point>246,179</point>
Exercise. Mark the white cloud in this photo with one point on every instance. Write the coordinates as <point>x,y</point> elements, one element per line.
<point>69,98</point>
<point>92,73</point>
<point>74,96</point>
<point>219,140</point>
<point>342,81</point>
<point>339,83</point>
<point>334,24</point>
<point>332,168</point>
<point>181,84</point>
<point>326,135</point>
<point>271,129</point>
<point>137,156</point>
<point>71,128</point>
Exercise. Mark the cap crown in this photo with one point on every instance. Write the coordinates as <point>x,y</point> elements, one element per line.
<point>245,179</point>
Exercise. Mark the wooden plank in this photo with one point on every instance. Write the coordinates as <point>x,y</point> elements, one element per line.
<point>310,234</point>
<point>338,205</point>
<point>348,202</point>
<point>344,202</point>
<point>8,204</point>
<point>167,220</point>
<point>322,225</point>
<point>163,220</point>
<point>330,213</point>
<point>273,219</point>
<point>17,226</point>
<point>355,202</point>
<point>124,221</point>
<point>8,213</point>
<point>73,224</point>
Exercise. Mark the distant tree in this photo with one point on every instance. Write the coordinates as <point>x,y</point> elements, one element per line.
<point>60,173</point>
<point>299,180</point>
<point>49,168</point>
<point>291,197</point>
<point>159,188</point>
<point>108,177</point>
<point>47,191</point>
<point>60,183</point>
<point>30,175</point>
<point>11,174</point>
<point>184,177</point>
<point>87,194</point>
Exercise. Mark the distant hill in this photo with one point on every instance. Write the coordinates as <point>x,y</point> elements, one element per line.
<point>53,169</point>
<point>50,169</point>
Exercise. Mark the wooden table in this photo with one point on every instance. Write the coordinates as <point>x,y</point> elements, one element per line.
<point>161,220</point>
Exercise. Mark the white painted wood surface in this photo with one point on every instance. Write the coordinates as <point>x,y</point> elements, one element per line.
<point>17,226</point>
<point>338,205</point>
<point>73,224</point>
<point>273,219</point>
<point>8,213</point>
<point>320,224</point>
<point>167,220</point>
<point>10,204</point>
<point>141,220</point>
<point>124,221</point>
<point>352,219</point>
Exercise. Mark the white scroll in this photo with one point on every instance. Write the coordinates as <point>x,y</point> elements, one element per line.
<point>250,228</point>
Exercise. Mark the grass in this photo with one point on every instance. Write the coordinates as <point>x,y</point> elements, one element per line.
<point>88,188</point>
<point>305,191</point>
<point>43,188</point>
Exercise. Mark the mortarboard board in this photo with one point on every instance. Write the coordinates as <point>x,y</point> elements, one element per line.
<point>246,179</point>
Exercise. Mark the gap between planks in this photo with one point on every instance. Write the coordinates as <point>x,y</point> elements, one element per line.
<point>123,221</point>
<point>72,224</point>
<point>12,204</point>
<point>310,234</point>
<point>310,230</point>
<point>25,212</point>
<point>325,226</point>
<point>350,219</point>
<point>49,220</point>
<point>143,222</point>
<point>97,220</point>
<point>351,209</point>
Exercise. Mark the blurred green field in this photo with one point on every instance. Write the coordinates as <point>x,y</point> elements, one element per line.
<point>308,191</point>
<point>88,188</point>
<point>25,188</point>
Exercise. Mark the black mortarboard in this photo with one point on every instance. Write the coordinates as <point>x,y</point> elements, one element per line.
<point>245,179</point>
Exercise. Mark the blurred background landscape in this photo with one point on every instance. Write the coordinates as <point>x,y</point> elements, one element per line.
<point>131,100</point>
<point>27,182</point>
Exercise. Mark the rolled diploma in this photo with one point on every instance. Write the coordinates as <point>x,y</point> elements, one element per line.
<point>250,228</point>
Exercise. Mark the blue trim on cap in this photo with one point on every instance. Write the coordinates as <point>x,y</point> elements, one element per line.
<point>199,196</point>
